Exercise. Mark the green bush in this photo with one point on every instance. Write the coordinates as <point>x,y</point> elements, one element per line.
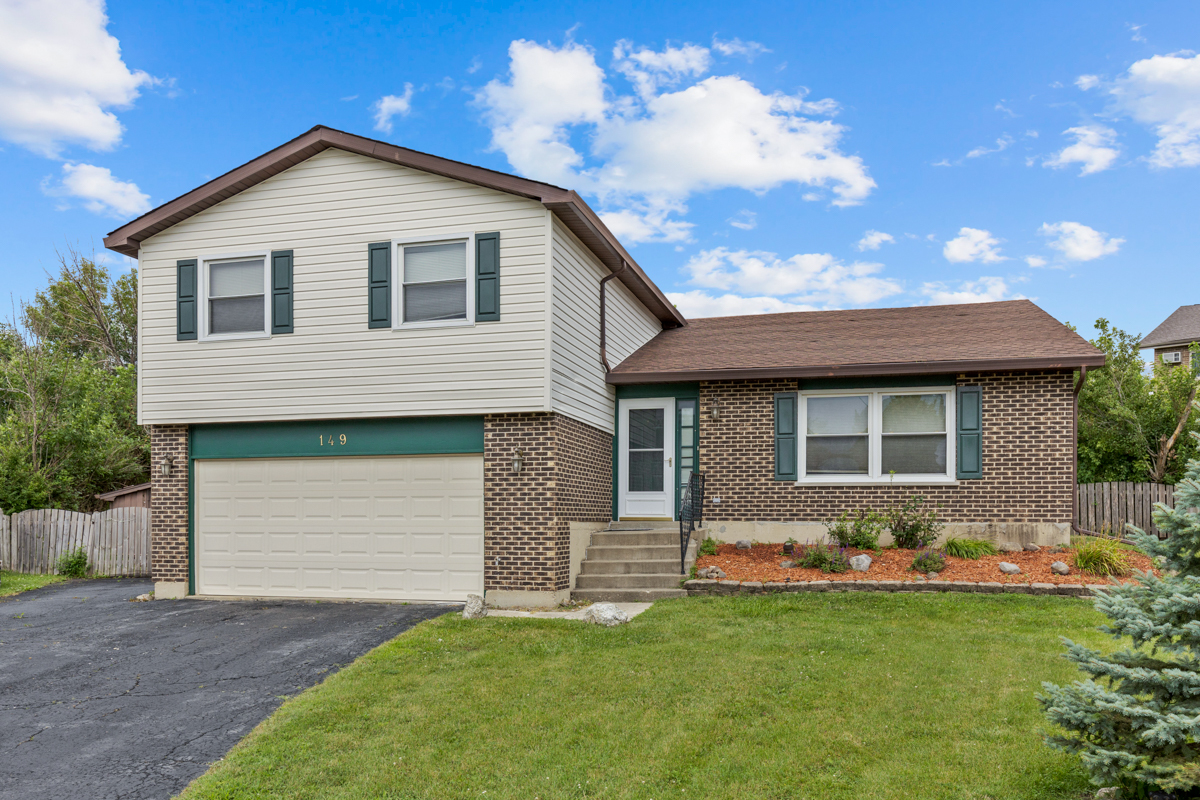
<point>929,561</point>
<point>708,547</point>
<point>969,548</point>
<point>912,525</point>
<point>73,564</point>
<point>825,558</point>
<point>860,530</point>
<point>1098,556</point>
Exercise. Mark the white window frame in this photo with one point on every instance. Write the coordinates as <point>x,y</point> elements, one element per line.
<point>398,245</point>
<point>202,296</point>
<point>875,439</point>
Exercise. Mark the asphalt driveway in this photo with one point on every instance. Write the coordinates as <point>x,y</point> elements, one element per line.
<point>104,698</point>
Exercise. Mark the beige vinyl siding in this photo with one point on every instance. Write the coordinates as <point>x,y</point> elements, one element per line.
<point>578,387</point>
<point>327,210</point>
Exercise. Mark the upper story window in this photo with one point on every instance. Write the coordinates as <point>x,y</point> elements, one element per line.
<point>884,435</point>
<point>434,281</point>
<point>235,297</point>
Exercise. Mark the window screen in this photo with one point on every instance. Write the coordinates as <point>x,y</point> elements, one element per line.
<point>435,282</point>
<point>236,302</point>
<point>836,434</point>
<point>914,434</point>
<point>647,430</point>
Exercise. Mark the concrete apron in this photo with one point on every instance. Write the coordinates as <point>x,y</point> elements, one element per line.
<point>632,609</point>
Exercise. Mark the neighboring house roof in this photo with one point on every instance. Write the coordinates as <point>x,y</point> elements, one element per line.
<point>1009,335</point>
<point>115,493</point>
<point>1182,327</point>
<point>569,207</point>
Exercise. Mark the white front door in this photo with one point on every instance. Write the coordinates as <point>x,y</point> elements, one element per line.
<point>646,453</point>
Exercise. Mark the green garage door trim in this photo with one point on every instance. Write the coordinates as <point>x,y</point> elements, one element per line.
<point>408,436</point>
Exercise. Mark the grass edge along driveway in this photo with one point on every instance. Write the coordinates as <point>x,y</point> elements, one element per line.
<point>16,582</point>
<point>787,696</point>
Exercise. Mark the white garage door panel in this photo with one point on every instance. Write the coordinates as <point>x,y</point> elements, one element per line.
<point>401,528</point>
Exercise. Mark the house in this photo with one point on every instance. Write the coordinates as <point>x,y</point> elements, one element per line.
<point>1170,340</point>
<point>129,497</point>
<point>374,373</point>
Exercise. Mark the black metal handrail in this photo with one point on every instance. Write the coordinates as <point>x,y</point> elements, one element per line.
<point>691,515</point>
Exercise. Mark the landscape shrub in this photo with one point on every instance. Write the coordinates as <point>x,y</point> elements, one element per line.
<point>969,548</point>
<point>929,561</point>
<point>912,525</point>
<point>73,564</point>
<point>826,558</point>
<point>860,529</point>
<point>708,547</point>
<point>1098,556</point>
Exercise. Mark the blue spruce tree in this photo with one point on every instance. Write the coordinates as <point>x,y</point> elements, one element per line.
<point>1135,723</point>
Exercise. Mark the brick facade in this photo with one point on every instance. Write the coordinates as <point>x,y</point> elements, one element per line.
<point>1027,457</point>
<point>566,477</point>
<point>1184,354</point>
<point>169,504</point>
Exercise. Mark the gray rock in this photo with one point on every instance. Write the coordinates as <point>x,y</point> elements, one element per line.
<point>1009,547</point>
<point>860,563</point>
<point>606,614</point>
<point>1109,793</point>
<point>1009,569</point>
<point>702,574</point>
<point>474,609</point>
<point>716,573</point>
<point>1059,568</point>
<point>933,576</point>
<point>787,564</point>
<point>1030,547</point>
<point>743,544</point>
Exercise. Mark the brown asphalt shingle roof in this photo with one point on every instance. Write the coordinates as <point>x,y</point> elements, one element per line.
<point>1013,334</point>
<point>1182,327</point>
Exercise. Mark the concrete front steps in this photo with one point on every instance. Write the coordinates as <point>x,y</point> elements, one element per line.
<point>633,562</point>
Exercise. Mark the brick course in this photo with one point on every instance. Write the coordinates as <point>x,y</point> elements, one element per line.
<point>1027,457</point>
<point>566,477</point>
<point>169,504</point>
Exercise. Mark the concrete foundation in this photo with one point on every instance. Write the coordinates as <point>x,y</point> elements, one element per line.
<point>507,598</point>
<point>1046,534</point>
<point>170,590</point>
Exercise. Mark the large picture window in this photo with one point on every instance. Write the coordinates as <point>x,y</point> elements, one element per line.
<point>877,436</point>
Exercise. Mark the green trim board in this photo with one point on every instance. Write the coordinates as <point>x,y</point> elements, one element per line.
<point>191,519</point>
<point>678,391</point>
<point>881,382</point>
<point>402,436</point>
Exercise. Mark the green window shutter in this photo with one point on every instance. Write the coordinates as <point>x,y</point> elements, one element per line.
<point>970,432</point>
<point>379,285</point>
<point>281,291</point>
<point>487,277</point>
<point>785,437</point>
<point>185,299</point>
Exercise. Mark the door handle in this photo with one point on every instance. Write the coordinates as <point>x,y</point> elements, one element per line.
<point>668,461</point>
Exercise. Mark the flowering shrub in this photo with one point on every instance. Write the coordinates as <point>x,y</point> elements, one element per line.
<point>929,561</point>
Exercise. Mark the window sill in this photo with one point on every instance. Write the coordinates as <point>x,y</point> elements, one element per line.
<point>416,326</point>
<point>233,337</point>
<point>899,480</point>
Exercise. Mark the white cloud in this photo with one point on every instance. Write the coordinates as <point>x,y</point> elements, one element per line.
<point>1001,144</point>
<point>697,303</point>
<point>1093,148</point>
<point>1078,242</point>
<point>642,223</point>
<point>100,192</point>
<point>984,290</point>
<point>871,240</point>
<point>60,74</point>
<point>1136,34</point>
<point>1087,82</point>
<point>112,259</point>
<point>804,279</point>
<point>476,65</point>
<point>1005,109</point>
<point>744,220</point>
<point>736,47</point>
<point>644,154</point>
<point>1035,261</point>
<point>391,105</point>
<point>1164,92</point>
<point>973,244</point>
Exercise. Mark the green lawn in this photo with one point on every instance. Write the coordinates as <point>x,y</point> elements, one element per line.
<point>785,696</point>
<point>16,582</point>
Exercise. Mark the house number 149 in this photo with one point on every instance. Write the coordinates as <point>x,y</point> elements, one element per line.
<point>330,440</point>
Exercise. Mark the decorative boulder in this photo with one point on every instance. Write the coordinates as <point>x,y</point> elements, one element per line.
<point>743,544</point>
<point>474,609</point>
<point>1059,568</point>
<point>1030,547</point>
<point>933,576</point>
<point>1009,547</point>
<point>860,563</point>
<point>716,573</point>
<point>605,614</point>
<point>787,564</point>
<point>1009,569</point>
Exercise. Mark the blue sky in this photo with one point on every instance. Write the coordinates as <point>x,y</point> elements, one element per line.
<point>753,156</point>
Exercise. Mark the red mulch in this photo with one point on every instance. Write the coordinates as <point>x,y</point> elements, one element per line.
<point>761,563</point>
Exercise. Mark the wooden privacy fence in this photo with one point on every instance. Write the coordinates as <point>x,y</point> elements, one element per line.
<point>1107,507</point>
<point>117,541</point>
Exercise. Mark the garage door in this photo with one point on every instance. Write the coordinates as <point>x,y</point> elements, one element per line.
<point>397,528</point>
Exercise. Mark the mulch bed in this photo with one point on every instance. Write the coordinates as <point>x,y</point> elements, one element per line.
<point>761,563</point>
